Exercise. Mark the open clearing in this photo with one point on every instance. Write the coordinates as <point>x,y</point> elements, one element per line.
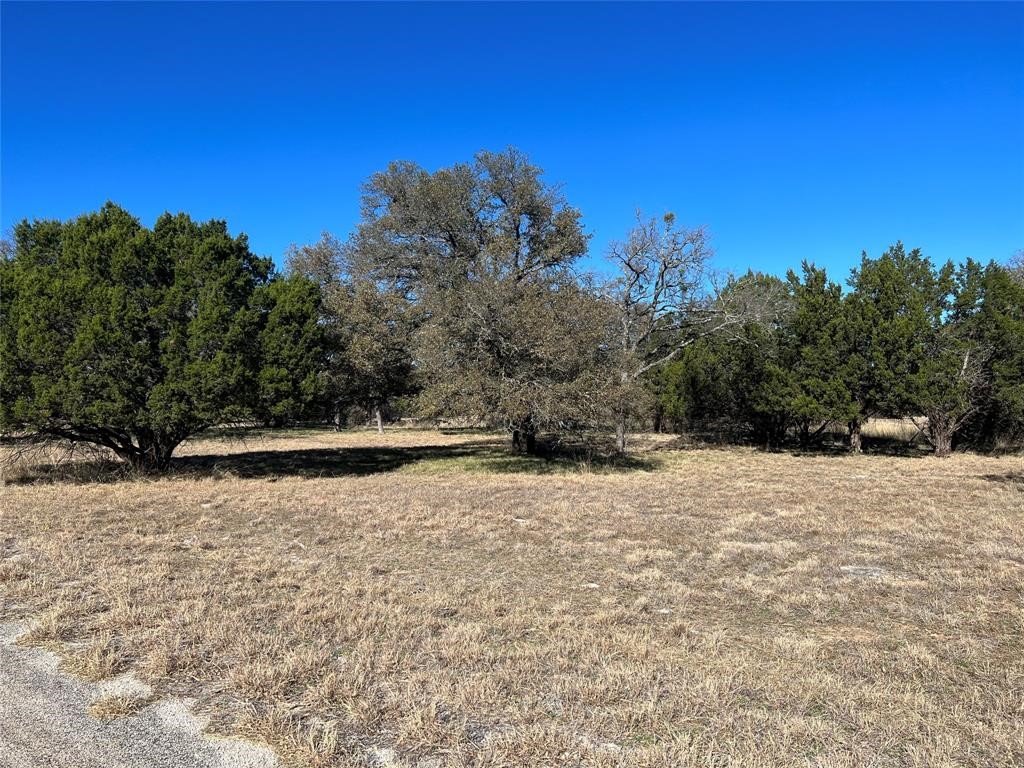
<point>423,599</point>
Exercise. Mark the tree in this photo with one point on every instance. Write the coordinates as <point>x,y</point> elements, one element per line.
<point>762,381</point>
<point>892,305</point>
<point>368,327</point>
<point>323,262</point>
<point>494,217</point>
<point>916,344</point>
<point>375,330</point>
<point>694,390</point>
<point>763,387</point>
<point>1015,266</point>
<point>1001,330</point>
<point>744,382</point>
<point>996,325</point>
<point>664,301</point>
<point>485,249</point>
<point>125,337</point>
<point>292,351</point>
<point>912,339</point>
<point>951,373</point>
<point>528,356</point>
<point>811,344</point>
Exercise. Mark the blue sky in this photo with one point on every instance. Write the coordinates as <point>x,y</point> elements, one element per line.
<point>793,131</point>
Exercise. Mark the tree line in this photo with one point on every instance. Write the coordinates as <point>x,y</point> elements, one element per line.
<point>461,294</point>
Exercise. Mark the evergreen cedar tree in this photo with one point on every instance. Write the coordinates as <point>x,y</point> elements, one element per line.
<point>942,345</point>
<point>460,295</point>
<point>134,339</point>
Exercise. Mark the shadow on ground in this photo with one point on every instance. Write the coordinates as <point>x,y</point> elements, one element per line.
<point>1009,478</point>
<point>822,446</point>
<point>484,455</point>
<point>488,455</point>
<point>877,446</point>
<point>331,462</point>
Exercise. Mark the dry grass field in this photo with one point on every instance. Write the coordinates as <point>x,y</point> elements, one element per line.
<point>420,599</point>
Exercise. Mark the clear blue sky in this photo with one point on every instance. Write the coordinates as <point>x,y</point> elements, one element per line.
<point>792,131</point>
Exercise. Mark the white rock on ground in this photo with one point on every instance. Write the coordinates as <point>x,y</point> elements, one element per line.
<point>867,571</point>
<point>44,723</point>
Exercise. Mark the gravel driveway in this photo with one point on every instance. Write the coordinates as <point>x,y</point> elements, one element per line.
<point>44,724</point>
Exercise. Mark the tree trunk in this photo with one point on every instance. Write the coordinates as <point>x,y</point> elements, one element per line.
<point>620,417</point>
<point>659,419</point>
<point>854,430</point>
<point>153,454</point>
<point>805,434</point>
<point>524,437</point>
<point>940,431</point>
<point>379,419</point>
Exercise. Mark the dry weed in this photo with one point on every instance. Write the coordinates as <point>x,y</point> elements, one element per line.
<point>113,707</point>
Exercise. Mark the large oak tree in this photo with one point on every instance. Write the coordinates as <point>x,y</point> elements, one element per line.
<point>486,250</point>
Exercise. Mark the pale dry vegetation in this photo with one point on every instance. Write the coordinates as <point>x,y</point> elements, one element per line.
<point>894,429</point>
<point>423,599</point>
<point>117,706</point>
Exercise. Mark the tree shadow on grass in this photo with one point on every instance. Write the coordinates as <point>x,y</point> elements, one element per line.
<point>487,455</point>
<point>484,455</point>
<point>821,446</point>
<point>1013,479</point>
<point>325,462</point>
<point>871,446</point>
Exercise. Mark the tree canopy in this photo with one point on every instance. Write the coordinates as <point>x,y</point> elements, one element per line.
<point>486,249</point>
<point>940,345</point>
<point>462,294</point>
<point>134,338</point>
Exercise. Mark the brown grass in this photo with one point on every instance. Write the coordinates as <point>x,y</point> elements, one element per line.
<point>894,429</point>
<point>117,706</point>
<point>461,606</point>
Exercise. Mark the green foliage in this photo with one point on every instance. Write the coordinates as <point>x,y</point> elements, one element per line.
<point>292,350</point>
<point>525,355</point>
<point>1002,330</point>
<point>938,344</point>
<point>762,384</point>
<point>734,382</point>
<point>895,299</point>
<point>693,391</point>
<point>368,328</point>
<point>459,292</point>
<point>764,390</point>
<point>812,342</point>
<point>996,326</point>
<point>132,338</point>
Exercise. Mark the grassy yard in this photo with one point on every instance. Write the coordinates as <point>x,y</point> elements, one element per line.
<point>421,599</point>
